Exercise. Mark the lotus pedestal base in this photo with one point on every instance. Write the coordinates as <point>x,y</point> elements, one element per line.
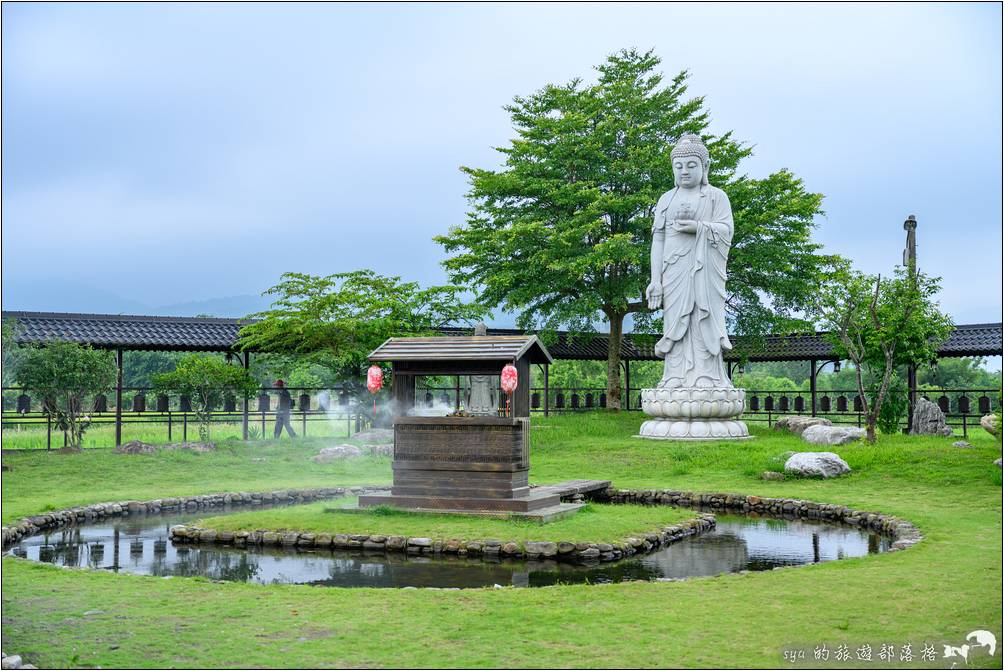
<point>697,413</point>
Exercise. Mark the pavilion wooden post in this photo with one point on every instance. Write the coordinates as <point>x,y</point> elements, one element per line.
<point>244,408</point>
<point>118,397</point>
<point>521,397</point>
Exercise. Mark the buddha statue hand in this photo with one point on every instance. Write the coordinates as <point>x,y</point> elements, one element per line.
<point>685,225</point>
<point>654,295</point>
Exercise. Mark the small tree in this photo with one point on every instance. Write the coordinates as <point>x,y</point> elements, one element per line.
<point>881,324</point>
<point>206,380</point>
<point>64,374</point>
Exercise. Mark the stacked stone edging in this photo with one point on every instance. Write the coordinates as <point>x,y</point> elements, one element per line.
<point>486,549</point>
<point>903,533</point>
<point>34,524</point>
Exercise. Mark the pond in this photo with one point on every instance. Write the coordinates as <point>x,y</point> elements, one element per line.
<point>141,545</point>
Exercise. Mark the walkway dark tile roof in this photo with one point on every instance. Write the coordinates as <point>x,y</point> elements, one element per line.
<point>134,332</point>
<point>209,334</point>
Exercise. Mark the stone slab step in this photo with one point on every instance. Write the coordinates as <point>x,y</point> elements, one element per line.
<point>572,487</point>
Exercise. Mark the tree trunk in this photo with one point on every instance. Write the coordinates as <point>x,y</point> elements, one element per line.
<point>614,361</point>
<point>870,417</point>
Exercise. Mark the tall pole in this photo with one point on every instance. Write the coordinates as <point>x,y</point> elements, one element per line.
<point>910,261</point>
<point>118,397</point>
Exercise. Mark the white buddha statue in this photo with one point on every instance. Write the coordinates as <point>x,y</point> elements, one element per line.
<point>691,237</point>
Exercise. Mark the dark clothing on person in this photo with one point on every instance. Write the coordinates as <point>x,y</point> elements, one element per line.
<point>282,414</point>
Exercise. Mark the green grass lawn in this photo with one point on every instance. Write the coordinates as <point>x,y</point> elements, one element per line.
<point>933,593</point>
<point>595,522</point>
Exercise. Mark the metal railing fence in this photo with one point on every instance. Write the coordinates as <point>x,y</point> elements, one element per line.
<point>158,416</point>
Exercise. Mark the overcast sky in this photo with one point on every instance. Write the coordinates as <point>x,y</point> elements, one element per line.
<point>164,154</point>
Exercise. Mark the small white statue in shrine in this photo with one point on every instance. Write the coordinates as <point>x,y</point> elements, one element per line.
<point>482,397</point>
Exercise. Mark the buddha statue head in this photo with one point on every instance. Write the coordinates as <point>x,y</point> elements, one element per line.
<point>691,162</point>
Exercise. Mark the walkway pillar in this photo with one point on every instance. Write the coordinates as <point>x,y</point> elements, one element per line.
<point>627,384</point>
<point>911,383</point>
<point>812,384</point>
<point>244,407</point>
<point>118,397</point>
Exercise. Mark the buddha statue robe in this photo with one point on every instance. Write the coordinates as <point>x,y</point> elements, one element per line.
<point>693,287</point>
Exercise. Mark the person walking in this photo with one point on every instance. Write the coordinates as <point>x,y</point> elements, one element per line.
<point>283,410</point>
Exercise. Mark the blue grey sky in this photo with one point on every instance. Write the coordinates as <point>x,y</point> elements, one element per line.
<point>158,156</point>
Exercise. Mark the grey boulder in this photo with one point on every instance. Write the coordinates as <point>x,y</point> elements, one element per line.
<point>819,464</point>
<point>928,420</point>
<point>799,423</point>
<point>337,452</point>
<point>832,435</point>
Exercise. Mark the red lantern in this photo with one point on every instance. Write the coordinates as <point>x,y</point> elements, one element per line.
<point>374,381</point>
<point>509,381</point>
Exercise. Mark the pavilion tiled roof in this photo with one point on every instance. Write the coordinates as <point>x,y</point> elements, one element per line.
<point>492,347</point>
<point>207,334</point>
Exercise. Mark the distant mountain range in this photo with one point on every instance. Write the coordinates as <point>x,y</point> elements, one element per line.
<point>58,297</point>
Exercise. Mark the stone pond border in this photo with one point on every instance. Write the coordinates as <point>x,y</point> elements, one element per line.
<point>29,526</point>
<point>584,551</point>
<point>903,533</point>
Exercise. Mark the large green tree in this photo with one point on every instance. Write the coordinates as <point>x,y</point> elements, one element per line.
<point>345,316</point>
<point>561,233</point>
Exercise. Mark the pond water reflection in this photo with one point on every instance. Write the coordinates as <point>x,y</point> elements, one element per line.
<point>141,545</point>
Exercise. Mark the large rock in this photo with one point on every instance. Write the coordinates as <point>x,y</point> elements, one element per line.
<point>989,423</point>
<point>139,447</point>
<point>380,450</point>
<point>135,447</point>
<point>821,434</point>
<point>928,420</point>
<point>799,423</point>
<point>375,436</point>
<point>337,452</point>
<point>820,464</point>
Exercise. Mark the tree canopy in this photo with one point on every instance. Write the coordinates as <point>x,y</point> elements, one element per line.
<point>64,374</point>
<point>346,316</point>
<point>880,324</point>
<point>561,233</point>
<point>206,379</point>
